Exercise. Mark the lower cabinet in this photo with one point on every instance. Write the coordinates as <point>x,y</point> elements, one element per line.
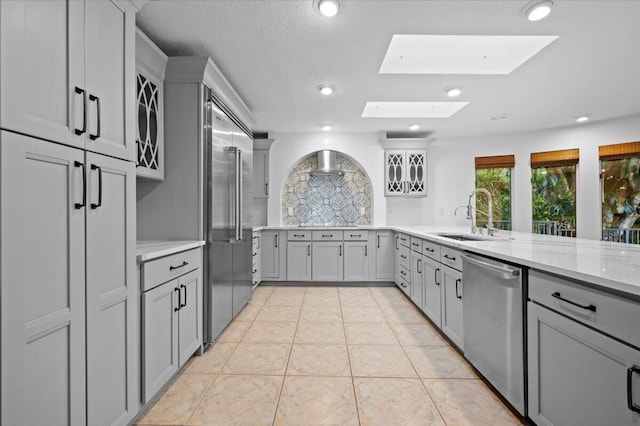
<point>578,376</point>
<point>385,255</point>
<point>327,261</point>
<point>256,255</point>
<point>451,305</point>
<point>417,268</point>
<point>299,261</point>
<point>356,260</point>
<point>270,242</point>
<point>431,297</point>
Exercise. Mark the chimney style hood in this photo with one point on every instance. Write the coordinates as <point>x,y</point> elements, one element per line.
<point>327,165</point>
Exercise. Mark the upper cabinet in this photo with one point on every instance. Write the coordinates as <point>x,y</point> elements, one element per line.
<point>60,62</point>
<point>405,173</point>
<point>150,66</point>
<point>260,174</point>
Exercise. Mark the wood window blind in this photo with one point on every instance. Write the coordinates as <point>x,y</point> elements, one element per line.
<point>565,157</point>
<point>619,150</point>
<point>496,162</point>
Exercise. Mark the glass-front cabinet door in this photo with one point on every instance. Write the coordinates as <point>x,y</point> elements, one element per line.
<point>149,141</point>
<point>405,173</point>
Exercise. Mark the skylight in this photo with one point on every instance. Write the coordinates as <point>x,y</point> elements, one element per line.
<point>411,109</point>
<point>460,54</point>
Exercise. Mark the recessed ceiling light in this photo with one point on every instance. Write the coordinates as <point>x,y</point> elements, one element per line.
<point>452,92</point>
<point>326,127</point>
<point>538,10</point>
<point>582,118</point>
<point>328,8</point>
<point>460,54</point>
<point>414,127</point>
<point>325,89</point>
<point>411,109</point>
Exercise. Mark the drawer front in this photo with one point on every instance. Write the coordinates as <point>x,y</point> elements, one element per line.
<point>405,275</point>
<point>613,314</point>
<point>404,240</point>
<point>416,244</point>
<point>299,235</point>
<point>356,235</point>
<point>256,241</point>
<point>431,250</point>
<point>328,235</point>
<point>405,257</point>
<point>451,257</point>
<point>158,271</point>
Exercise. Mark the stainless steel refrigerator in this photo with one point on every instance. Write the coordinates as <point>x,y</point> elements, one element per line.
<point>228,230</point>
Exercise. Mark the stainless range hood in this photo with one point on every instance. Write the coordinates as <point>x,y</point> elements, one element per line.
<point>327,165</point>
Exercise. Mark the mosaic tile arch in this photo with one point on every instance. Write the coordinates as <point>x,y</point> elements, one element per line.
<point>327,200</point>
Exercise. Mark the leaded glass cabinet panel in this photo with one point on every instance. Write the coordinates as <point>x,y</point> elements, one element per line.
<point>406,173</point>
<point>149,135</point>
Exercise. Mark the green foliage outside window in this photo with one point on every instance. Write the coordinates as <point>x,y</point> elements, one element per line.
<point>621,193</point>
<point>498,183</point>
<point>554,197</point>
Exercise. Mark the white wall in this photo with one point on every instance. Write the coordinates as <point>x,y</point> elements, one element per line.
<point>452,177</point>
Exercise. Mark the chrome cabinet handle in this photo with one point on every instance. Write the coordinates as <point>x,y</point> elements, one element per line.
<point>84,185</point>
<point>557,295</point>
<point>84,111</point>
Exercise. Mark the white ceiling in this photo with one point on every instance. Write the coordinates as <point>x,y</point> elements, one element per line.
<point>275,53</point>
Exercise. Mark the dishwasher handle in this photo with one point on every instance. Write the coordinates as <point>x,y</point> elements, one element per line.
<point>504,272</point>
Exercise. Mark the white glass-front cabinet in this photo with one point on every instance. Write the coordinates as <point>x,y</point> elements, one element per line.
<point>405,173</point>
<point>69,79</point>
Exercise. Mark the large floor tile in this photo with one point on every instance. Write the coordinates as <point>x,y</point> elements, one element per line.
<point>433,362</point>
<point>179,401</point>
<point>366,314</point>
<point>319,360</point>
<point>258,358</point>
<point>418,334</point>
<point>270,332</point>
<point>320,332</point>
<point>234,332</point>
<point>403,315</point>
<point>370,334</point>
<point>248,313</point>
<point>379,361</point>
<point>392,401</point>
<point>235,400</point>
<point>320,314</point>
<point>263,291</point>
<point>468,402</point>
<point>212,361</point>
<point>353,291</point>
<point>321,299</point>
<point>358,300</point>
<point>317,400</point>
<point>397,300</point>
<point>279,313</point>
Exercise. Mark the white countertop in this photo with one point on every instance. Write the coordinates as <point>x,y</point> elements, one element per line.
<point>149,250</point>
<point>613,266</point>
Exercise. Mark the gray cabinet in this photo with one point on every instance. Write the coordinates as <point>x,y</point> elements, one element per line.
<point>431,288</point>
<point>189,315</point>
<point>578,376</point>
<point>256,254</point>
<point>385,255</point>
<point>405,173</point>
<point>327,261</point>
<point>260,174</point>
<point>299,260</point>
<point>270,255</point>
<point>356,260</point>
<point>417,269</point>
<point>451,305</point>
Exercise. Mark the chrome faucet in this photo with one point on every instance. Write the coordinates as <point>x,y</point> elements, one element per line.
<point>490,228</point>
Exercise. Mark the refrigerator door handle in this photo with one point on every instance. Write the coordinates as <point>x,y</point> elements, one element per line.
<point>239,195</point>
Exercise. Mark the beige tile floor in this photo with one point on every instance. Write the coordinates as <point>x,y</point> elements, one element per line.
<point>329,355</point>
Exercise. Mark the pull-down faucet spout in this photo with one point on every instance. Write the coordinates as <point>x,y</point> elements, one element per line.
<point>490,228</point>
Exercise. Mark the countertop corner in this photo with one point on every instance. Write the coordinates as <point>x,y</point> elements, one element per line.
<point>149,250</point>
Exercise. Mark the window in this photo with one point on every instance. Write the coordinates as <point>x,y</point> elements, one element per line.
<point>494,174</point>
<point>553,182</point>
<point>620,182</point>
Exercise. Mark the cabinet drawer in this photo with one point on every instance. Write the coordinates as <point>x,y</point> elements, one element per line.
<point>299,235</point>
<point>431,250</point>
<point>404,240</point>
<point>356,235</point>
<point>405,255</point>
<point>156,272</point>
<point>405,275</point>
<point>256,241</point>
<point>327,235</point>
<point>613,314</point>
<point>451,257</point>
<point>416,244</point>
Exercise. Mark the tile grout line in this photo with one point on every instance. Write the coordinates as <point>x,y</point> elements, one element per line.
<point>346,343</point>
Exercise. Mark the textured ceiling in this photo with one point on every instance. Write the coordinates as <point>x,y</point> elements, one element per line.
<point>275,53</point>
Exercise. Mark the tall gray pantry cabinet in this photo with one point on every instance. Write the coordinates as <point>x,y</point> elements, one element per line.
<point>68,296</point>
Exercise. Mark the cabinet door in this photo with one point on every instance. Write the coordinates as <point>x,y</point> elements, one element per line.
<point>42,283</point>
<point>110,77</point>
<point>111,290</point>
<point>416,173</point>
<point>298,261</point>
<point>261,174</point>
<point>327,261</point>
<point>578,376</point>
<point>451,305</point>
<point>397,263</point>
<point>417,270</point>
<point>394,177</point>
<point>270,254</point>
<point>384,255</point>
<point>356,260</point>
<point>189,315</point>
<point>431,289</point>
<point>42,64</point>
<point>149,126</point>
<point>159,343</point>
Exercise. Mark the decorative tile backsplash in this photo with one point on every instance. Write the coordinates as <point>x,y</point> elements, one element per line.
<point>326,200</point>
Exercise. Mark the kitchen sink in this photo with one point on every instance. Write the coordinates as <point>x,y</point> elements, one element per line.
<point>465,237</point>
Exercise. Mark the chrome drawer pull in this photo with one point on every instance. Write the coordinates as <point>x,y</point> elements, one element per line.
<point>185,263</point>
<point>587,307</point>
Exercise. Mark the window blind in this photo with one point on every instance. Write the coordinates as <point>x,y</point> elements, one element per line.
<point>496,162</point>
<point>565,157</point>
<point>619,150</point>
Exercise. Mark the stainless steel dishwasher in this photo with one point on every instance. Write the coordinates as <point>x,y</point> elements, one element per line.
<point>494,324</point>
